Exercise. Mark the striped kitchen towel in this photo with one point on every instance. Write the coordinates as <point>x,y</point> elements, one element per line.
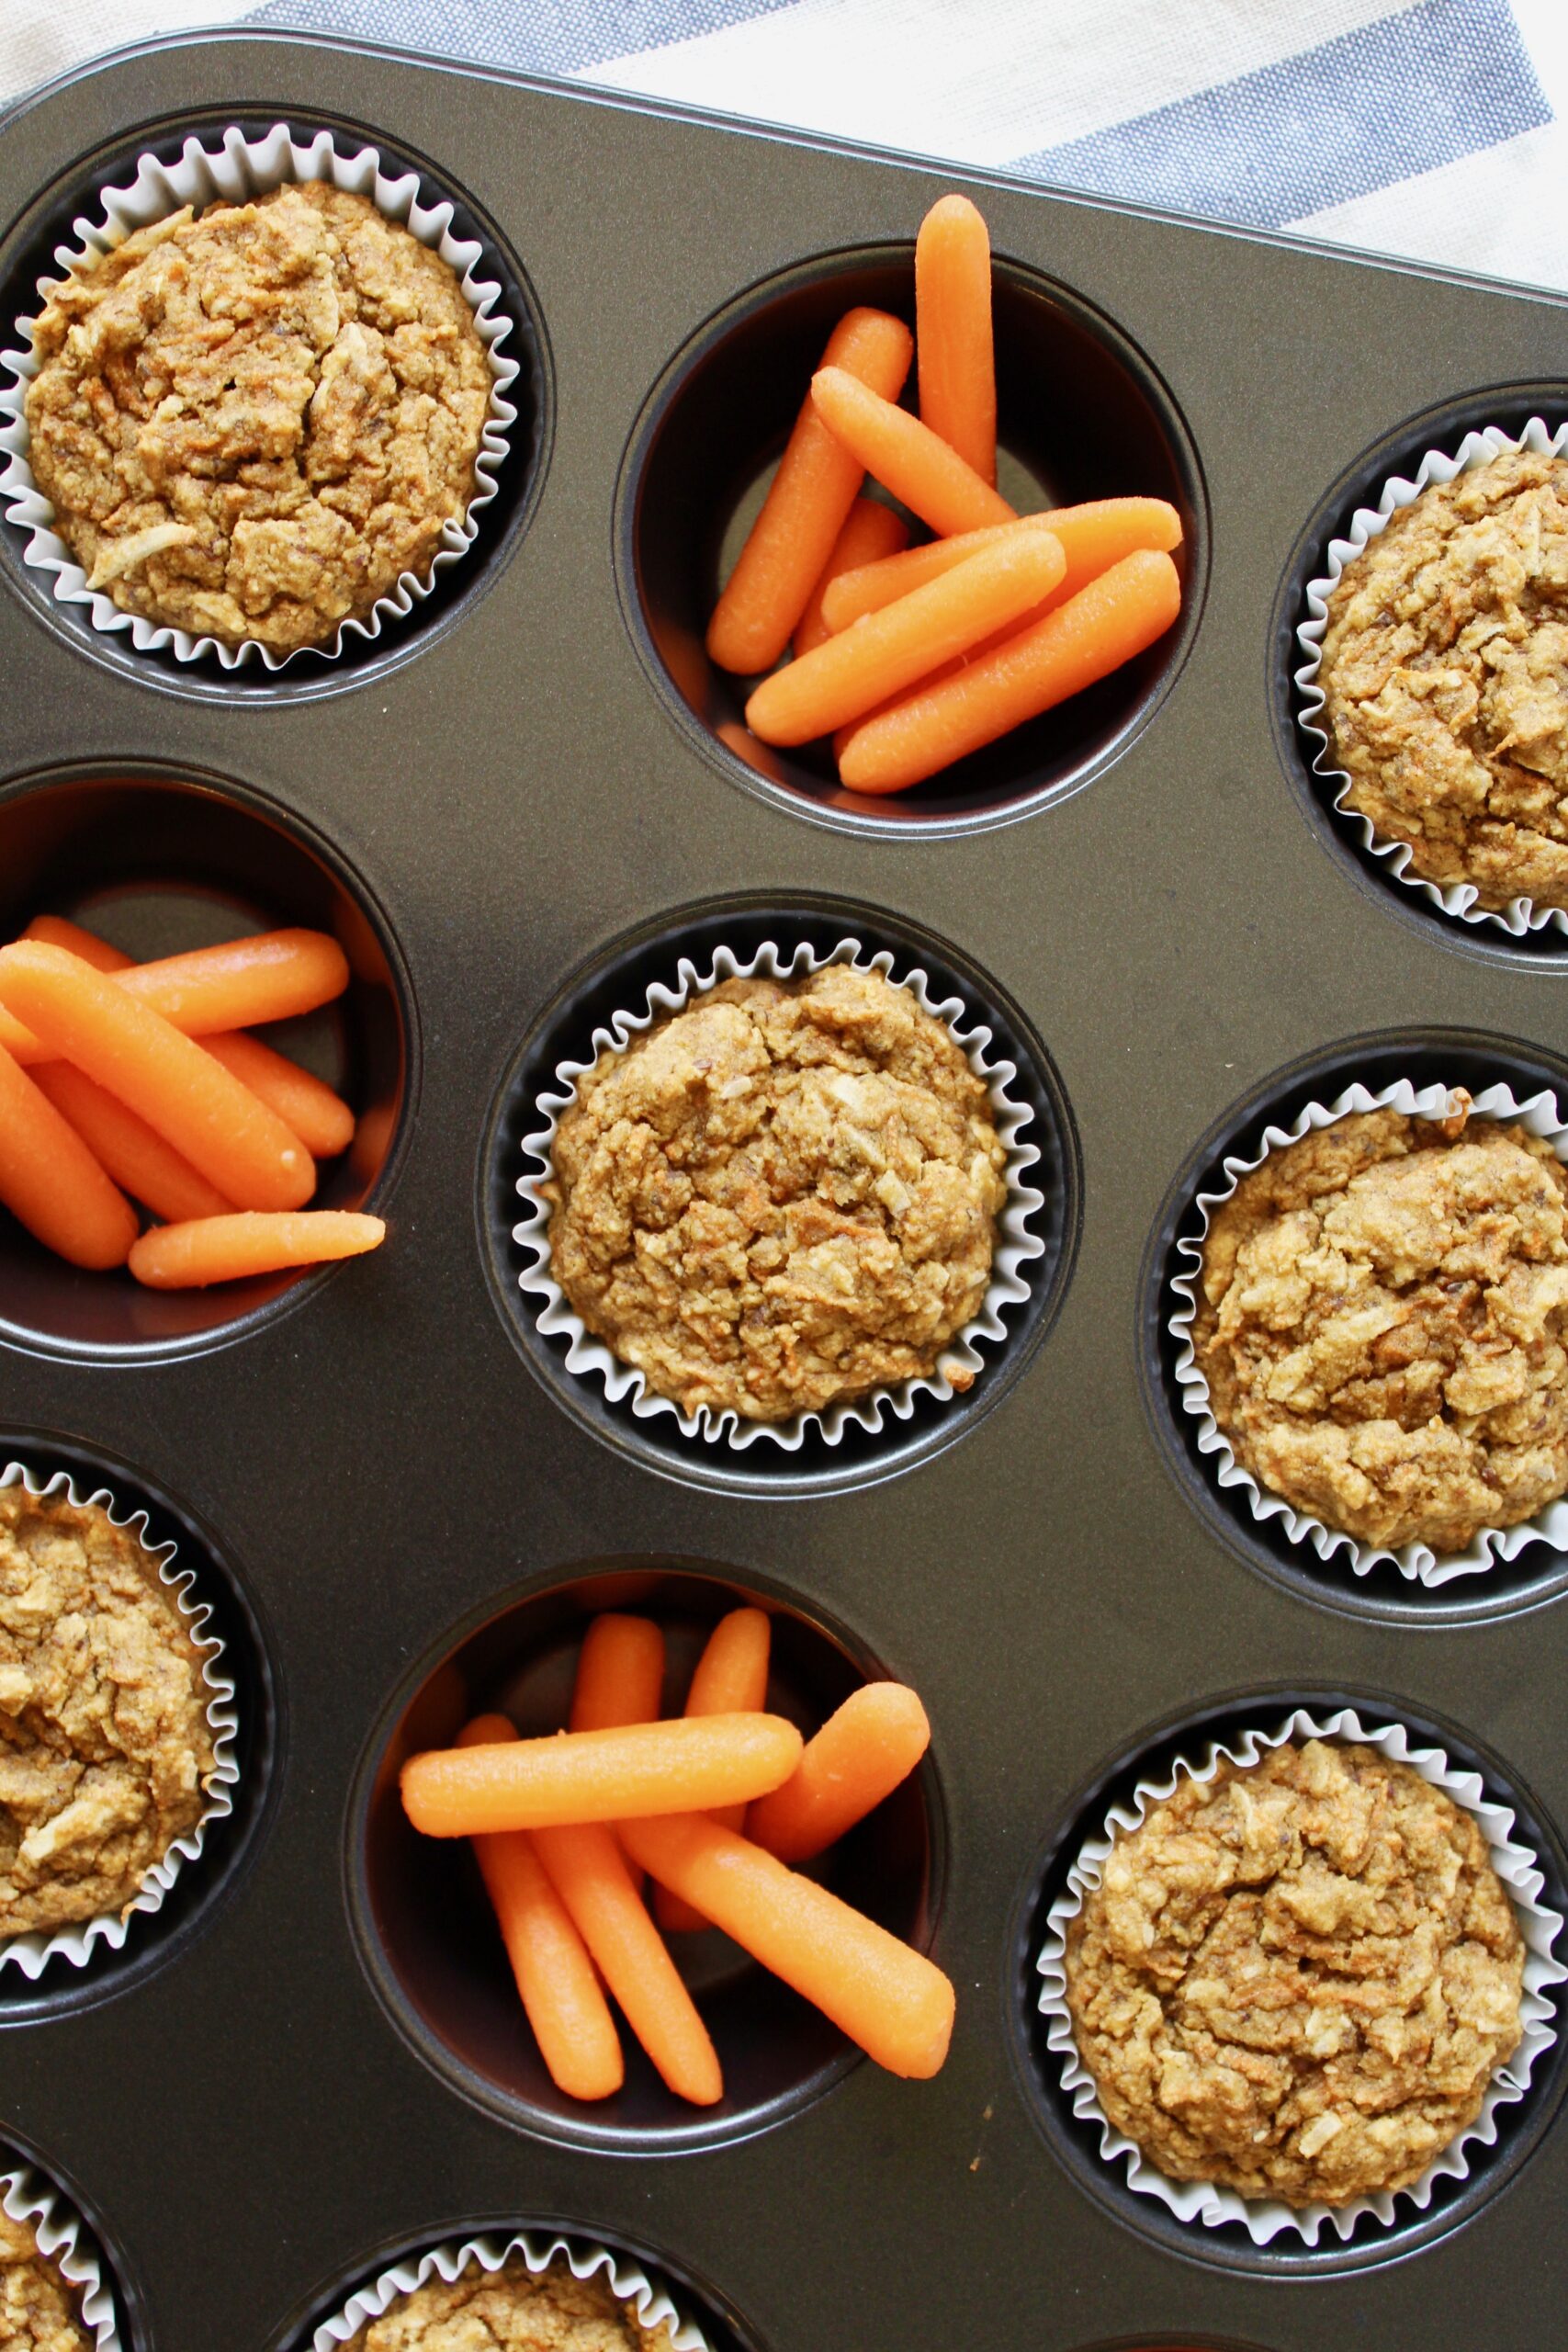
<point>1436,130</point>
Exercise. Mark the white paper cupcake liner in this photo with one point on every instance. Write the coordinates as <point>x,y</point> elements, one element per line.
<point>27,2197</point>
<point>1016,1244</point>
<point>1265,2219</point>
<point>234,170</point>
<point>539,2249</point>
<point>76,1943</point>
<point>1457,898</point>
<point>1417,1561</point>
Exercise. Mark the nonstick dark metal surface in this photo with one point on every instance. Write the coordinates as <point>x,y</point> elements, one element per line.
<point>377,1470</point>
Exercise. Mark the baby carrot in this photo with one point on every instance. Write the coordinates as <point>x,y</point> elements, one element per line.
<point>620,1674</point>
<point>93,1020</point>
<point>891,2000</point>
<point>906,455</point>
<point>953,331</point>
<point>872,533</point>
<point>127,1148</point>
<point>1103,626</point>
<point>556,1978</point>
<point>50,1181</point>
<point>860,1756</point>
<point>1093,538</point>
<point>271,976</point>
<point>55,931</point>
<point>861,667</point>
<point>599,1775</point>
<point>588,1873</point>
<point>228,1248</point>
<point>806,504</point>
<point>730,1678</point>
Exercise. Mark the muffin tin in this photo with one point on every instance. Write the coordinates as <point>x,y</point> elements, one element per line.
<point>511,800</point>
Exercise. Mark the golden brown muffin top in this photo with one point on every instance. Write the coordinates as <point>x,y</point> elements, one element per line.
<point>510,2309</point>
<point>38,2311</point>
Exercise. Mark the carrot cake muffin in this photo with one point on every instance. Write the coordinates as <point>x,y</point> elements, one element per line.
<point>105,1746</point>
<point>251,422</point>
<point>1445,678</point>
<point>38,2311</point>
<point>785,1196</point>
<point>1297,1979</point>
<point>1381,1320</point>
<point>510,2309</point>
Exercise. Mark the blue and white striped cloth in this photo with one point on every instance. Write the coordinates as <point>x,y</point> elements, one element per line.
<point>1436,130</point>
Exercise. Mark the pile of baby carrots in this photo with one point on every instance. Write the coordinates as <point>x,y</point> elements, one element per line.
<point>912,657</point>
<point>124,1083</point>
<point>563,1829</point>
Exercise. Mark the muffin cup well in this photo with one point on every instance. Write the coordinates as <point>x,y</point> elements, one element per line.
<point>235,171</point>
<point>1017,1243</point>
<point>25,2197</point>
<point>1415,1561</point>
<point>75,1943</point>
<point>1265,2219</point>
<point>1521,916</point>
<point>449,2260</point>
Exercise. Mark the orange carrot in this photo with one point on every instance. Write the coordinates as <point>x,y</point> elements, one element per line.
<point>227,1248</point>
<point>953,331</point>
<point>50,1181</point>
<point>852,673</point>
<point>860,1756</point>
<point>126,1147</point>
<point>56,932</point>
<point>806,504</point>
<point>599,1775</point>
<point>271,976</point>
<point>872,533</point>
<point>906,457</point>
<point>1103,626</point>
<point>93,1020</point>
<point>1093,538</point>
<point>588,1873</point>
<point>620,1674</point>
<point>730,1678</point>
<point>894,2002</point>
<point>556,1977</point>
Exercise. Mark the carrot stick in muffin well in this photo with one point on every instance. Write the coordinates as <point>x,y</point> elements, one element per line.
<point>730,1678</point>
<point>864,1751</point>
<point>600,1775</point>
<point>953,331</point>
<point>906,457</point>
<point>50,1181</point>
<point>872,533</point>
<point>201,1250</point>
<point>272,976</point>
<point>127,1148</point>
<point>620,1674</point>
<point>1093,538</point>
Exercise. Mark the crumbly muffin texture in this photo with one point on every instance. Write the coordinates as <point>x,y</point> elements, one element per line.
<point>38,2311</point>
<point>105,1746</point>
<point>1444,677</point>
<point>510,2309</point>
<point>1297,1979</point>
<point>1382,1321</point>
<point>251,422</point>
<point>784,1196</point>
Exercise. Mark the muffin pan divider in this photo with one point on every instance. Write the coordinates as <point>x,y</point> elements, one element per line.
<point>379,1467</point>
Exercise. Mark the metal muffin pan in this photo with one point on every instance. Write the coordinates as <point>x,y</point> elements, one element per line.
<point>512,794</point>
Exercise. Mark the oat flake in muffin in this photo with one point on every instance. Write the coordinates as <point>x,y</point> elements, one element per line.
<point>510,2309</point>
<point>1297,1979</point>
<point>39,2311</point>
<point>250,423</point>
<point>1445,679</point>
<point>105,1746</point>
<point>784,1196</point>
<point>1382,1321</point>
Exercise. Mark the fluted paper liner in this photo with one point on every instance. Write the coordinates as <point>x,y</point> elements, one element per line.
<point>1457,898</point>
<point>75,1943</point>
<point>1265,2219</point>
<point>1415,1561</point>
<point>27,2197</point>
<point>1016,1245</point>
<point>540,2250</point>
<point>234,170</point>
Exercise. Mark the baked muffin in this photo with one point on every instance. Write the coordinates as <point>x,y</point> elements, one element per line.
<point>106,1751</point>
<point>1382,1317</point>
<point>1297,1979</point>
<point>1444,681</point>
<point>510,2309</point>
<point>250,423</point>
<point>39,2311</point>
<point>783,1196</point>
